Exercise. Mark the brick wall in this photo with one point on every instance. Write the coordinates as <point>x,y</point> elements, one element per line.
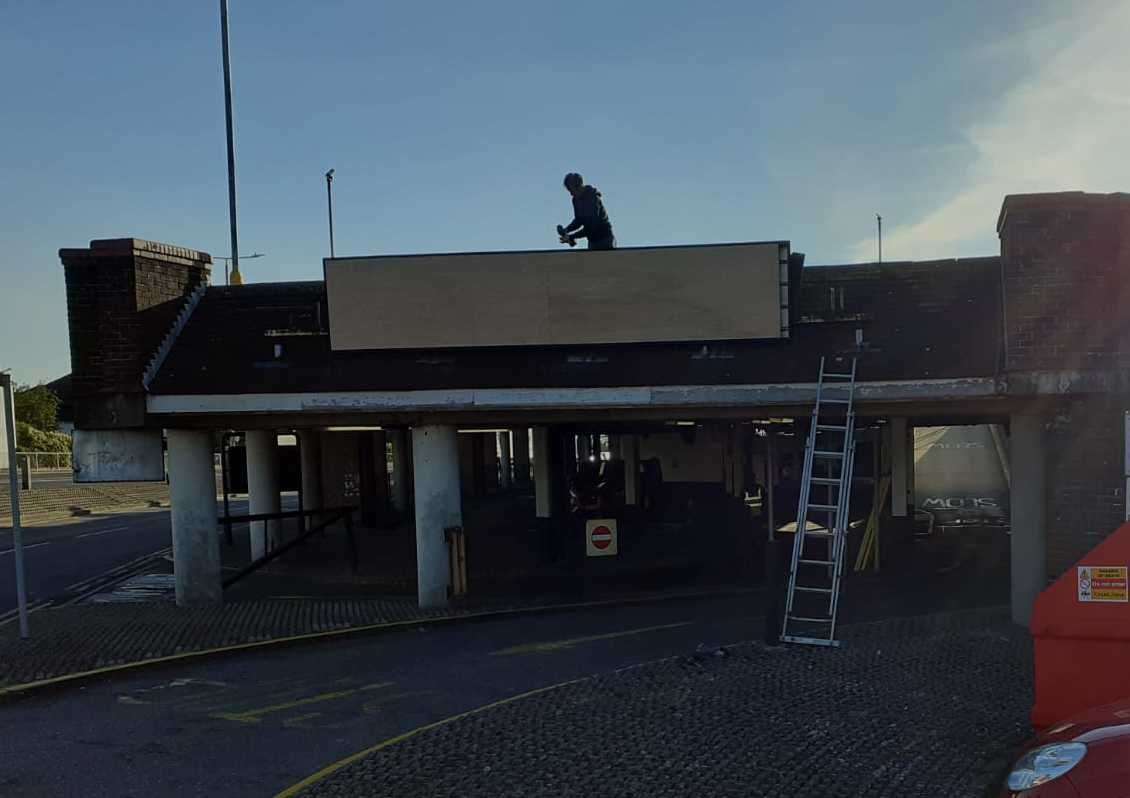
<point>1085,484</point>
<point>1066,279</point>
<point>122,298</point>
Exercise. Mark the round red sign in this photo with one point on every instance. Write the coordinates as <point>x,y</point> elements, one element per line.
<point>601,537</point>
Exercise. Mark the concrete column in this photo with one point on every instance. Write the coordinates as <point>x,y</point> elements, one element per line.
<point>489,451</point>
<point>543,471</point>
<point>584,447</point>
<point>1028,496</point>
<point>435,455</point>
<point>504,459</point>
<point>400,471</point>
<point>521,455</point>
<point>902,461</point>
<point>196,544</point>
<point>739,462</point>
<point>310,445</point>
<point>263,489</point>
<point>613,447</point>
<point>380,471</point>
<point>630,452</point>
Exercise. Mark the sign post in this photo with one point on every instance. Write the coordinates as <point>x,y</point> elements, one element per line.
<point>14,489</point>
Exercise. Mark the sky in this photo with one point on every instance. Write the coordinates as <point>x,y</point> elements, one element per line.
<point>450,127</point>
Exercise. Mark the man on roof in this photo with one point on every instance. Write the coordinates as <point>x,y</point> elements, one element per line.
<point>590,219</point>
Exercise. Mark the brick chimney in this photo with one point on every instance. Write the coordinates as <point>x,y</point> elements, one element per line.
<point>1065,260</point>
<point>123,296</point>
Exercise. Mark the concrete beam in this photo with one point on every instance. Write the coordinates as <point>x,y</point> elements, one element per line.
<point>196,544</point>
<point>549,399</point>
<point>1028,500</point>
<point>435,455</point>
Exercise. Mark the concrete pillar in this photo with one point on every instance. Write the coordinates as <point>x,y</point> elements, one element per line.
<point>1028,496</point>
<point>400,471</point>
<point>630,452</point>
<point>902,461</point>
<point>196,544</point>
<point>584,447</point>
<point>435,456</point>
<point>739,462</point>
<point>504,459</point>
<point>310,446</point>
<point>380,472</point>
<point>613,447</point>
<point>263,489</point>
<point>467,464</point>
<point>488,441</point>
<point>543,471</point>
<point>521,455</point>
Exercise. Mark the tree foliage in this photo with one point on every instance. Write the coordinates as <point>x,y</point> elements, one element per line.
<point>30,439</point>
<point>37,407</point>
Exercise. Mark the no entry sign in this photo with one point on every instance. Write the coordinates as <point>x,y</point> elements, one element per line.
<point>600,537</point>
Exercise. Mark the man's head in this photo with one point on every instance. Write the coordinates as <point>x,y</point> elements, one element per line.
<point>574,183</point>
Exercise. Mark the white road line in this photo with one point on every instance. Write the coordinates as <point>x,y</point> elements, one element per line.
<point>118,569</point>
<point>13,614</point>
<point>99,532</point>
<point>30,546</point>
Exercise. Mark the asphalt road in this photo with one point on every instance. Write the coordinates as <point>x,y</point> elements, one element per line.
<point>60,560</point>
<point>252,724</point>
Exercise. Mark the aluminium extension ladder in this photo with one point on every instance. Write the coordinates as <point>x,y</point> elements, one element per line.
<point>825,492</point>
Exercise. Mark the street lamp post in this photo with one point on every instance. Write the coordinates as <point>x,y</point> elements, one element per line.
<point>14,489</point>
<point>236,277</point>
<point>330,206</point>
<point>227,261</point>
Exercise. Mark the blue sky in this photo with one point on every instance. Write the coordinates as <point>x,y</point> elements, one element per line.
<point>450,126</point>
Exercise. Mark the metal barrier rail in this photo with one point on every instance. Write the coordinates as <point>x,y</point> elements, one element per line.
<point>43,461</point>
<point>334,514</point>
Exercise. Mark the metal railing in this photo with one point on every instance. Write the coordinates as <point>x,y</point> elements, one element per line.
<point>42,461</point>
<point>329,516</point>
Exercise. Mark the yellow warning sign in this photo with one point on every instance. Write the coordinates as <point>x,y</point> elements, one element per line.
<point>1103,583</point>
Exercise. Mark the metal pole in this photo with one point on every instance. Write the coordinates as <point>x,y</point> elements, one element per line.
<point>330,206</point>
<point>879,219</point>
<point>235,275</point>
<point>14,488</point>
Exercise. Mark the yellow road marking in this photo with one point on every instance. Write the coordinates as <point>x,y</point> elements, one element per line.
<point>354,631</point>
<point>329,770</point>
<point>296,721</point>
<point>256,715</point>
<point>558,645</point>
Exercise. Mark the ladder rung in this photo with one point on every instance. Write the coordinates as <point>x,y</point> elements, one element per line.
<point>815,562</point>
<point>806,619</point>
<point>829,507</point>
<point>826,400</point>
<point>834,455</point>
<point>839,376</point>
<point>819,533</point>
<point>811,641</point>
<point>831,427</point>
<point>826,481</point>
<point>812,589</point>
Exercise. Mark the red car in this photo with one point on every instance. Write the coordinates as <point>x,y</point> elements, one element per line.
<point>1086,756</point>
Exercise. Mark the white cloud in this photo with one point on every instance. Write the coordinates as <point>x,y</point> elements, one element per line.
<point>1063,127</point>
